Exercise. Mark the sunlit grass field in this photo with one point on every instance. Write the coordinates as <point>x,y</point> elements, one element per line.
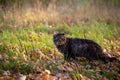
<point>27,51</point>
<point>23,49</point>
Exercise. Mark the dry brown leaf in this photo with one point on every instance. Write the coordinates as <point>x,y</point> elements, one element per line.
<point>45,76</point>
<point>22,77</point>
<point>70,69</point>
<point>103,67</point>
<point>83,78</point>
<point>6,78</point>
<point>40,34</point>
<point>6,73</point>
<point>62,78</point>
<point>61,67</point>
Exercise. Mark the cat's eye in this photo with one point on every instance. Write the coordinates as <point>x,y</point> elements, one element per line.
<point>56,39</point>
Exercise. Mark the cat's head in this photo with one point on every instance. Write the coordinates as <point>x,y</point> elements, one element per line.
<point>59,39</point>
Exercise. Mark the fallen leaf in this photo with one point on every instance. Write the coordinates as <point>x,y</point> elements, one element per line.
<point>22,77</point>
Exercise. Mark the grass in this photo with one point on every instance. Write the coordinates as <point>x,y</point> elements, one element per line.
<point>18,47</point>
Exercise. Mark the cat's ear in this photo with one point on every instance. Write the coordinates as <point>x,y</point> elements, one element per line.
<point>58,34</point>
<point>62,33</point>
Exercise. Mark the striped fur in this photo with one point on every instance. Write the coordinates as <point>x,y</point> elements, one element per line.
<point>76,47</point>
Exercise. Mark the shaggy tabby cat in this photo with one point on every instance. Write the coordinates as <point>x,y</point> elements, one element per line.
<point>76,47</point>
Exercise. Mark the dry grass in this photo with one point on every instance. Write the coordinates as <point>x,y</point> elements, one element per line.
<point>55,14</point>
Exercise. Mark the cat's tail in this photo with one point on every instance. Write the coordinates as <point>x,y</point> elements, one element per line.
<point>111,59</point>
<point>108,57</point>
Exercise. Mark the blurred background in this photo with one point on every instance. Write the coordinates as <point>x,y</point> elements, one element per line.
<point>54,12</point>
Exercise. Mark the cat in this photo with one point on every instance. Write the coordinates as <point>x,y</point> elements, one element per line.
<point>77,47</point>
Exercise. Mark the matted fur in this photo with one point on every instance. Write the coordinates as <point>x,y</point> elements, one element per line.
<point>76,47</point>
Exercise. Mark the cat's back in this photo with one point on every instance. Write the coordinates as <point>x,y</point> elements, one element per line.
<point>84,44</point>
<point>81,41</point>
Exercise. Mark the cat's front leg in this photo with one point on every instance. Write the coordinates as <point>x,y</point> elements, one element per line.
<point>67,56</point>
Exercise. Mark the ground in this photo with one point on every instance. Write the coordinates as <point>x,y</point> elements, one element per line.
<point>28,53</point>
